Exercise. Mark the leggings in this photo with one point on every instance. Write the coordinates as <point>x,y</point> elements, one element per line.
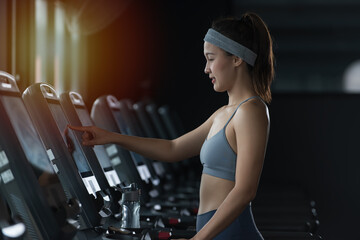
<point>243,227</point>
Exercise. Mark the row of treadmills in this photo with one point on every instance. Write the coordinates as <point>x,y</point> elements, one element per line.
<point>53,187</point>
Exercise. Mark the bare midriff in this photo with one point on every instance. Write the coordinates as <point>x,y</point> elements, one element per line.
<point>213,191</point>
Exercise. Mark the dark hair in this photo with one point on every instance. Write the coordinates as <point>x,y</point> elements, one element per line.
<point>251,32</point>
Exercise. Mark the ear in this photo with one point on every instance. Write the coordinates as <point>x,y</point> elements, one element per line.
<point>237,61</point>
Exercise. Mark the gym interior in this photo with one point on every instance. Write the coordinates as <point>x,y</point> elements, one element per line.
<point>137,67</point>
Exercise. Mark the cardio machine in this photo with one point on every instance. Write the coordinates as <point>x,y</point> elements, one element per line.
<point>73,169</point>
<point>28,181</point>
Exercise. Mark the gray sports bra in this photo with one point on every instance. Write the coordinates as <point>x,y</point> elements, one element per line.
<point>216,155</point>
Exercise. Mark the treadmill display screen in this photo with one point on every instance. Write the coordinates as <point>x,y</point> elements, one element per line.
<point>34,150</point>
<point>25,131</point>
<point>69,139</point>
<point>99,150</point>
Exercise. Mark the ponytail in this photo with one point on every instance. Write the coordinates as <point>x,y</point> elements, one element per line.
<point>251,31</point>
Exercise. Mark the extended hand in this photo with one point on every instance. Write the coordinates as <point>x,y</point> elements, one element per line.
<point>93,135</point>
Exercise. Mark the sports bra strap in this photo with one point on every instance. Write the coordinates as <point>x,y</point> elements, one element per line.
<point>238,107</point>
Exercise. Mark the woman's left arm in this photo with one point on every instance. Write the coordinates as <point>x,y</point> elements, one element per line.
<point>251,129</point>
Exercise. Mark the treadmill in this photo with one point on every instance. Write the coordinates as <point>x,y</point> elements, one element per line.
<point>75,109</point>
<point>28,182</point>
<point>72,167</point>
<point>132,170</point>
<point>105,114</point>
<point>118,112</point>
<point>77,114</point>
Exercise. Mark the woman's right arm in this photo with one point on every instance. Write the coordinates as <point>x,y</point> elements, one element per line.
<point>186,146</point>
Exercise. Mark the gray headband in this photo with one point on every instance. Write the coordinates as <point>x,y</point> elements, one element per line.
<point>230,46</point>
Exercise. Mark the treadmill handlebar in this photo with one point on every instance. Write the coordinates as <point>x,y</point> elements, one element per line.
<point>8,82</point>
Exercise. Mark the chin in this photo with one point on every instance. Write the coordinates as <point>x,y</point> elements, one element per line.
<point>217,89</point>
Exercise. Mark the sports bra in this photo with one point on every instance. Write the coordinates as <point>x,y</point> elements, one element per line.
<point>216,155</point>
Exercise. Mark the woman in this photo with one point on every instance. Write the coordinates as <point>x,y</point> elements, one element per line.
<point>232,142</point>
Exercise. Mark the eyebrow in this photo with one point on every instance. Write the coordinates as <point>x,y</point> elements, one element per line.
<point>209,53</point>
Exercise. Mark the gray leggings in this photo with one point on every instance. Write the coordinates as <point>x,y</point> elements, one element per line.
<point>243,227</point>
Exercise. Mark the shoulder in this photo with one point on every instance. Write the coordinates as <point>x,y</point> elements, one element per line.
<point>252,112</point>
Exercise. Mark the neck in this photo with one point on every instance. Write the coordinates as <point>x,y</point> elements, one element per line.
<point>241,89</point>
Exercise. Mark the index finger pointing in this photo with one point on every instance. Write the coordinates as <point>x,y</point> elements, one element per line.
<point>79,128</point>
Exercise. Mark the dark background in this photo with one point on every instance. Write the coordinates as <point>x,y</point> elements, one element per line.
<point>154,49</point>
<point>314,145</point>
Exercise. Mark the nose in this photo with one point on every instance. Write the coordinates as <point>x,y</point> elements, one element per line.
<point>207,69</point>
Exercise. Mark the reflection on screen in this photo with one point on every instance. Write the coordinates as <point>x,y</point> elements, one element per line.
<point>62,123</point>
<point>99,150</point>
<point>25,131</point>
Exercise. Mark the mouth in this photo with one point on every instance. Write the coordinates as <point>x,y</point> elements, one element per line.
<point>213,80</point>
